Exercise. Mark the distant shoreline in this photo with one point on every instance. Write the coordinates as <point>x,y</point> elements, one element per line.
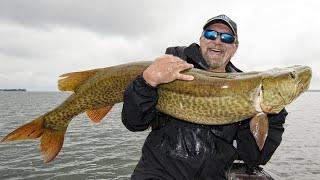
<point>13,89</point>
<point>314,90</point>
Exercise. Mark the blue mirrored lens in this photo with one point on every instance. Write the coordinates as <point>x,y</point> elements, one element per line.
<point>227,38</point>
<point>210,34</point>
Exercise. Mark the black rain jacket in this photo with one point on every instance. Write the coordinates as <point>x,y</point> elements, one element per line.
<point>176,149</point>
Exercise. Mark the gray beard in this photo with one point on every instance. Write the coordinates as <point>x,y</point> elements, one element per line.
<point>213,65</point>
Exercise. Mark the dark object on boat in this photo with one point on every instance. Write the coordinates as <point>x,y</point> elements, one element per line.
<point>240,171</point>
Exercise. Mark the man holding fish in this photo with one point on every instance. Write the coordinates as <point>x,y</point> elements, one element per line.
<point>178,149</point>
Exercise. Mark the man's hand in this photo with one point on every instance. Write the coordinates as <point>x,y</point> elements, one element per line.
<point>165,69</point>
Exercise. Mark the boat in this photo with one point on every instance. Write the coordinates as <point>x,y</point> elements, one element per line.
<point>240,171</point>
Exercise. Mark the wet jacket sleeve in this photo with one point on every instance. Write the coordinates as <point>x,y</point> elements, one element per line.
<point>139,104</point>
<point>246,145</point>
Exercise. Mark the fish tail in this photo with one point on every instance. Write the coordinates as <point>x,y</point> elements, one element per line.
<point>31,130</point>
<point>51,143</point>
<point>51,140</point>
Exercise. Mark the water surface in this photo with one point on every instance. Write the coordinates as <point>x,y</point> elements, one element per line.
<point>109,151</point>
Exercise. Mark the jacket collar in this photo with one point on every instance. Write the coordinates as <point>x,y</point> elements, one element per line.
<point>193,53</point>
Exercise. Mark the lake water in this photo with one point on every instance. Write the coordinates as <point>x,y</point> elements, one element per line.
<point>109,151</point>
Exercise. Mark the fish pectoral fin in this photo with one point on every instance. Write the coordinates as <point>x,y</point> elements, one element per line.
<point>70,81</point>
<point>51,143</point>
<point>96,115</point>
<point>259,126</point>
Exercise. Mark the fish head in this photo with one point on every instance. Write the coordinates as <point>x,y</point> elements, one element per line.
<point>281,86</point>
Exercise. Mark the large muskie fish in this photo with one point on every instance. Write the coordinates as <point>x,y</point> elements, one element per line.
<point>211,99</point>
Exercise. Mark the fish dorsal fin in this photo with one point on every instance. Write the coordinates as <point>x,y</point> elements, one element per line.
<point>70,81</point>
<point>96,115</point>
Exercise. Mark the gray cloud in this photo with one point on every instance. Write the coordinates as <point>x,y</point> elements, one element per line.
<point>111,16</point>
<point>42,39</point>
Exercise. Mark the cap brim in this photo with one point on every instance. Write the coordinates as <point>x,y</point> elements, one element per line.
<point>217,20</point>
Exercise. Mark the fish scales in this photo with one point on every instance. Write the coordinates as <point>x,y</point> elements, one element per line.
<point>226,100</point>
<point>105,88</point>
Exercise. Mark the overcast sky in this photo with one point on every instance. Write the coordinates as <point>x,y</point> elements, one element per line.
<point>42,39</point>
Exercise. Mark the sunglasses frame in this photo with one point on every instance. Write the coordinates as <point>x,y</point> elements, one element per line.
<point>219,34</point>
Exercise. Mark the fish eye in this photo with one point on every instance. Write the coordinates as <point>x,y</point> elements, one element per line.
<point>293,74</point>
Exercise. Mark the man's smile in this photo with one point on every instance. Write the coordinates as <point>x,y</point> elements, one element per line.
<point>214,52</point>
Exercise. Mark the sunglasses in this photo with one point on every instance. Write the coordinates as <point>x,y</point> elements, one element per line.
<point>213,35</point>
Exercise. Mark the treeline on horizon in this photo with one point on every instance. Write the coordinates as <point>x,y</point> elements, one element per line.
<point>13,90</point>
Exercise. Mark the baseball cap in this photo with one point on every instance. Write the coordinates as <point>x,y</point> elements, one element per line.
<point>223,19</point>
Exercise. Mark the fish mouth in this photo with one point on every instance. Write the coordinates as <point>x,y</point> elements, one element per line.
<point>300,88</point>
<point>303,77</point>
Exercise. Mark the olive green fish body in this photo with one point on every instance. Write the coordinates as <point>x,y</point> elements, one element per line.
<point>223,98</point>
<point>215,99</point>
<point>105,88</point>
